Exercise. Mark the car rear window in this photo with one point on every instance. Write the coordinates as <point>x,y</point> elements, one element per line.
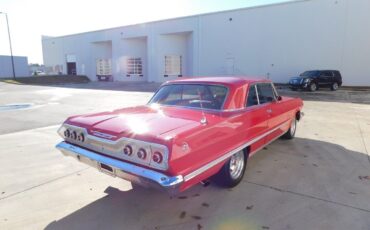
<point>191,95</point>
<point>337,74</point>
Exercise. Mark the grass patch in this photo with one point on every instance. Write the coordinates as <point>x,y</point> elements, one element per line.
<point>11,82</point>
<point>48,80</point>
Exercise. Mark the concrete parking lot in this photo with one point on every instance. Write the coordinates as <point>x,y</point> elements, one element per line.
<point>319,180</point>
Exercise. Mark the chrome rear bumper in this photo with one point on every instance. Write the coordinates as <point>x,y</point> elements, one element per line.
<point>116,168</point>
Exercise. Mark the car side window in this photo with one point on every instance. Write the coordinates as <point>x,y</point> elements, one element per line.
<point>327,74</point>
<point>265,93</point>
<point>252,96</point>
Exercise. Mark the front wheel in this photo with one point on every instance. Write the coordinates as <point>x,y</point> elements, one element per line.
<point>313,87</point>
<point>232,172</point>
<point>292,129</point>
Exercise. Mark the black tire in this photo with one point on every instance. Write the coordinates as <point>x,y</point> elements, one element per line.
<point>290,134</point>
<point>313,87</point>
<point>334,86</point>
<point>225,176</point>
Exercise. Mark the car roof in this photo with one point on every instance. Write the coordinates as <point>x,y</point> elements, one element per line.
<point>322,70</point>
<point>225,80</point>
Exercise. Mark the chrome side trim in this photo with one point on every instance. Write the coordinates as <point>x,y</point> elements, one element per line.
<point>226,156</point>
<point>95,160</point>
<point>275,138</point>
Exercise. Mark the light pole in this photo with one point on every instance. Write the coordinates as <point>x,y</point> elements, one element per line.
<point>10,44</point>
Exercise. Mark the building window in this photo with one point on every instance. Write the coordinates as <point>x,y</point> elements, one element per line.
<point>173,65</point>
<point>134,67</point>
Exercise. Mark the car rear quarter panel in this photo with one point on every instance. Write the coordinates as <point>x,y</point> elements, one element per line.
<point>292,106</point>
<point>193,149</point>
<point>223,133</point>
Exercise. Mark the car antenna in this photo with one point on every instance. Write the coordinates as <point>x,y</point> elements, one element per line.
<point>203,120</point>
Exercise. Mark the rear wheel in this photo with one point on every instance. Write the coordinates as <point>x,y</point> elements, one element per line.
<point>334,86</point>
<point>232,172</point>
<point>292,129</point>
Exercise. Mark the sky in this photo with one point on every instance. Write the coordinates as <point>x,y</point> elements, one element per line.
<point>30,19</point>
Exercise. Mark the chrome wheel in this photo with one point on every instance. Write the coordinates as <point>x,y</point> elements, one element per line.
<point>232,171</point>
<point>290,133</point>
<point>293,127</point>
<point>236,165</point>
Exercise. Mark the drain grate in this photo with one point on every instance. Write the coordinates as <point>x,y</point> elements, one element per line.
<point>10,107</point>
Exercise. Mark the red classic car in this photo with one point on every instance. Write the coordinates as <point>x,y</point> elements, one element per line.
<point>191,130</point>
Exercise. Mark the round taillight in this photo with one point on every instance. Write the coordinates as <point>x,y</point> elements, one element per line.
<point>67,133</point>
<point>127,150</point>
<point>74,135</point>
<point>157,157</point>
<point>141,154</point>
<point>81,137</point>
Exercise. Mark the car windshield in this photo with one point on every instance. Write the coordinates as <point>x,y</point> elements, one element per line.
<point>191,95</point>
<point>309,74</point>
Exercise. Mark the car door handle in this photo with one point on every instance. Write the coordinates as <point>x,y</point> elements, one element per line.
<point>269,111</point>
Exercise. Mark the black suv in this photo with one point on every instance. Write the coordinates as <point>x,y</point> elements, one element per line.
<point>314,79</point>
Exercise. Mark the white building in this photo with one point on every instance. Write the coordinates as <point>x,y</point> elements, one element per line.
<point>276,41</point>
<point>20,66</point>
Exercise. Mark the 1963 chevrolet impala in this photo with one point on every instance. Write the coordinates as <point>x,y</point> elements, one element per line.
<point>191,130</point>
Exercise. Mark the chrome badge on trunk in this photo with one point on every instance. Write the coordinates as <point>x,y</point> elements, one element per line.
<point>103,135</point>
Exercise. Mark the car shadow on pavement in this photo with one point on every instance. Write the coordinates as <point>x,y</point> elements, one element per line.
<point>287,185</point>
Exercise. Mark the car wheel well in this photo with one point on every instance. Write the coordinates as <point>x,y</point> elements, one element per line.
<point>246,152</point>
<point>298,115</point>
